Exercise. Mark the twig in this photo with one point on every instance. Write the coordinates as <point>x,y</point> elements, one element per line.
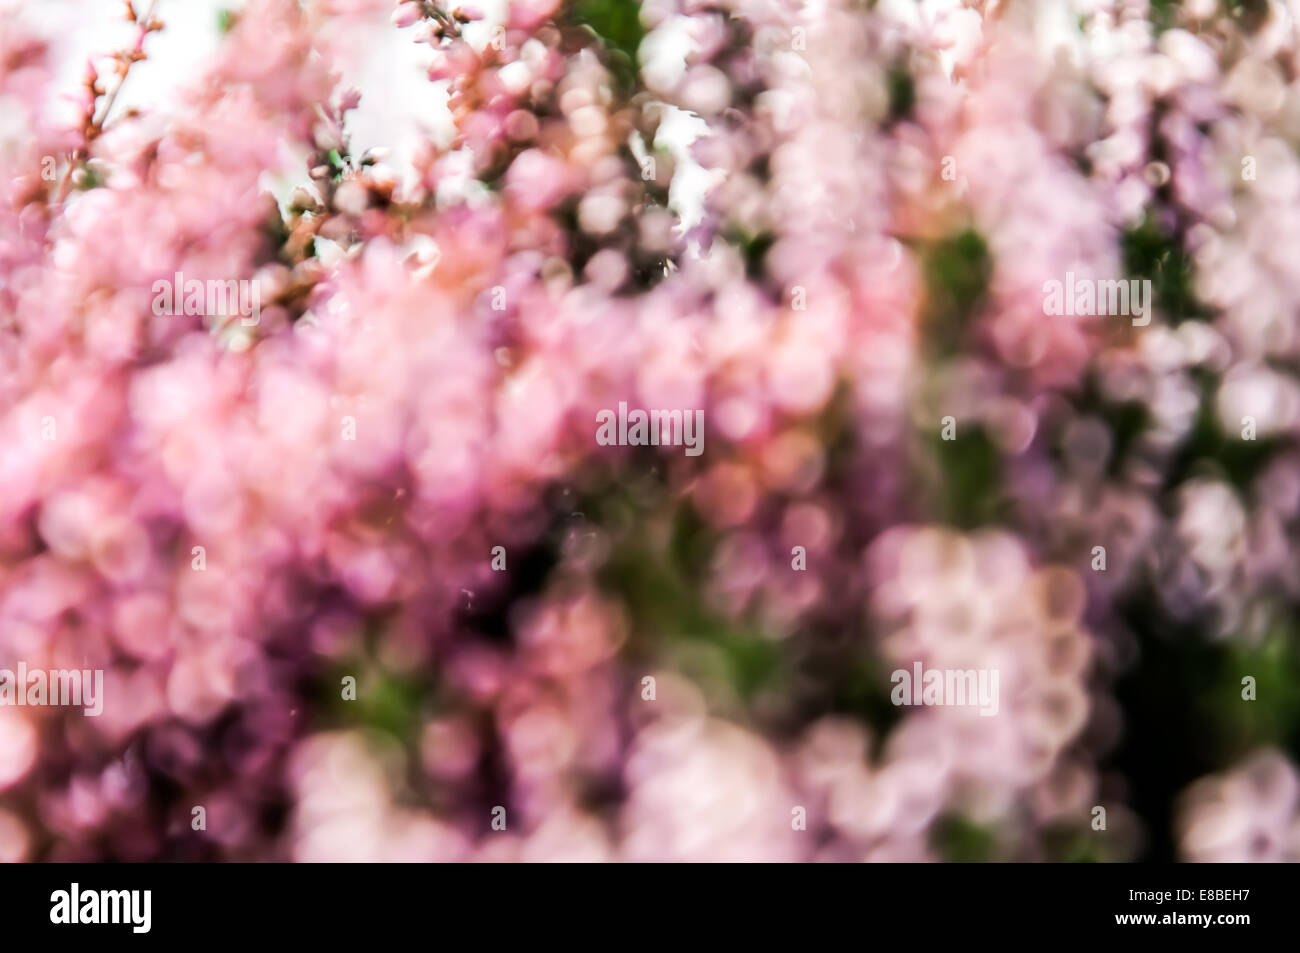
<point>125,59</point>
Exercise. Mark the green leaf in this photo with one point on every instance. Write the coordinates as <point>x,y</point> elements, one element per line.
<point>617,22</point>
<point>1150,253</point>
<point>957,275</point>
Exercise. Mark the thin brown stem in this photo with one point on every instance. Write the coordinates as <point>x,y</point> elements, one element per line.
<point>95,126</point>
<point>137,54</point>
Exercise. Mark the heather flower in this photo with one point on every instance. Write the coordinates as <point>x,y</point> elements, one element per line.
<point>827,231</point>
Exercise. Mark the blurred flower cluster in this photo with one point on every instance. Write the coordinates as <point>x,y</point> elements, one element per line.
<point>567,651</point>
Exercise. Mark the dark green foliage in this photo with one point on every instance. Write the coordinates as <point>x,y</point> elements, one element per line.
<point>1150,253</point>
<point>902,93</point>
<point>970,468</point>
<point>957,275</point>
<point>962,841</point>
<point>618,24</point>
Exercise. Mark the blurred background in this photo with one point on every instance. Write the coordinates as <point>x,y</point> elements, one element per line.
<point>365,585</point>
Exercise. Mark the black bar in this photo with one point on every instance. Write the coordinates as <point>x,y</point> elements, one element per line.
<point>445,904</point>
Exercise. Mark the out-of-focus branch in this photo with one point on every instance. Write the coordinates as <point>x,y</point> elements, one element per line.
<point>94,121</point>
